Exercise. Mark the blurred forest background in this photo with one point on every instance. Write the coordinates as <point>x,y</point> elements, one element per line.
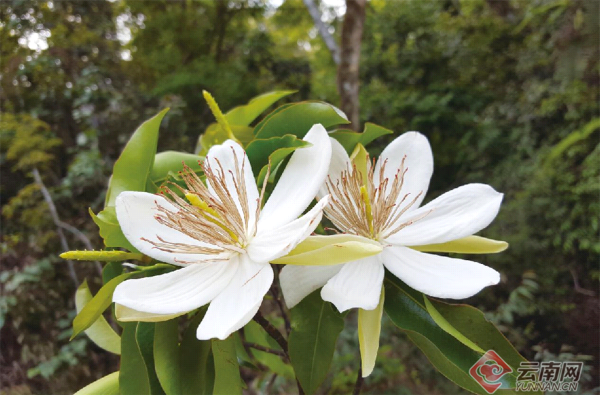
<point>507,92</point>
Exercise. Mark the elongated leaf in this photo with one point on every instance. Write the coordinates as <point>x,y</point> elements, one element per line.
<point>95,307</point>
<point>227,370</point>
<point>246,114</point>
<point>274,149</point>
<point>111,270</point>
<point>196,361</point>
<point>298,118</point>
<point>100,332</point>
<point>254,333</point>
<point>369,329</point>
<point>466,245</point>
<point>330,250</point>
<point>407,310</point>
<point>167,356</point>
<point>144,337</point>
<point>133,377</point>
<point>107,385</point>
<point>168,163</point>
<point>133,167</point>
<point>349,138</point>
<point>315,329</point>
<point>110,230</point>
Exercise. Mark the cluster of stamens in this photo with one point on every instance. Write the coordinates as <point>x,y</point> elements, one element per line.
<point>215,217</point>
<point>373,208</point>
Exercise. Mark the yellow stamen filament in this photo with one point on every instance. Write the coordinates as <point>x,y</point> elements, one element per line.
<point>373,207</point>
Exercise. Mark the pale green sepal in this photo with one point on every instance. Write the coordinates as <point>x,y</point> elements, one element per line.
<point>107,385</point>
<point>448,328</point>
<point>330,250</point>
<point>104,256</point>
<point>466,245</point>
<point>125,314</point>
<point>100,332</point>
<point>369,328</point>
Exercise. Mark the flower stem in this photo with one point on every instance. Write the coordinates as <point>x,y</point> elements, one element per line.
<point>272,331</point>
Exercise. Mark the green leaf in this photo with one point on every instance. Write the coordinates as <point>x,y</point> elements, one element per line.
<point>227,370</point>
<point>215,134</point>
<point>107,385</point>
<point>168,163</point>
<point>315,329</point>
<point>105,256</point>
<point>133,167</point>
<point>100,332</point>
<point>95,307</point>
<point>110,230</point>
<point>167,356</point>
<point>246,114</point>
<point>254,333</point>
<point>133,377</point>
<point>349,138</point>
<point>407,310</point>
<point>196,361</point>
<point>274,150</point>
<point>144,337</point>
<point>298,118</point>
<point>111,270</point>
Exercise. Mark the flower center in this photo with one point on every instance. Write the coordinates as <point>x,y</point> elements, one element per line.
<point>212,214</point>
<point>369,205</point>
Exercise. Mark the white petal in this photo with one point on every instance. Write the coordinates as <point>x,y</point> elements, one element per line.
<point>297,282</point>
<point>456,214</point>
<point>299,182</point>
<point>238,303</point>
<point>438,276</point>
<point>418,163</point>
<point>176,292</point>
<point>136,213</point>
<point>223,156</point>
<point>270,244</point>
<point>340,161</point>
<point>358,284</point>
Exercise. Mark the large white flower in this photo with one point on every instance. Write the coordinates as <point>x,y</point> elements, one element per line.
<point>220,236</point>
<point>381,202</point>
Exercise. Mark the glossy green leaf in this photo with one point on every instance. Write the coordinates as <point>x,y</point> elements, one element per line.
<point>107,385</point>
<point>227,370</point>
<point>274,150</point>
<point>215,134</point>
<point>167,356</point>
<point>246,114</point>
<point>349,138</point>
<point>109,228</point>
<point>407,310</point>
<point>298,118</point>
<point>254,333</point>
<point>315,329</point>
<point>144,337</point>
<point>168,163</point>
<point>111,270</point>
<point>133,167</point>
<point>100,332</point>
<point>104,256</point>
<point>133,377</point>
<point>95,307</point>
<point>196,361</point>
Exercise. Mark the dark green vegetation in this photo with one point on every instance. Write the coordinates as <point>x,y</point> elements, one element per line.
<point>507,93</point>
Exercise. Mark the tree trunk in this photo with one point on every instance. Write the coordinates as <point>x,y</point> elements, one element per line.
<point>348,76</point>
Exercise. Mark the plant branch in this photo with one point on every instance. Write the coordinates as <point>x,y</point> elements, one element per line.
<point>359,382</point>
<point>277,296</point>
<point>272,331</point>
<point>327,37</point>
<point>266,349</point>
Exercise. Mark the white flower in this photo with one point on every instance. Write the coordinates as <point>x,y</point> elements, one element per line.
<point>220,236</point>
<point>381,202</point>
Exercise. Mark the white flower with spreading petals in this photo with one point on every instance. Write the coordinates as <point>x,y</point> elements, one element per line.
<point>381,203</point>
<point>220,236</point>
